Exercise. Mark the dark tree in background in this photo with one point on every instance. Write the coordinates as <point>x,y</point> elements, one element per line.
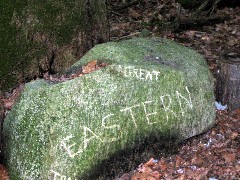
<point>39,37</point>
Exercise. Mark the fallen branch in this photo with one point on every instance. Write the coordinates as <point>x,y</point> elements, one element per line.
<point>195,23</point>
<point>208,5</point>
<point>126,5</point>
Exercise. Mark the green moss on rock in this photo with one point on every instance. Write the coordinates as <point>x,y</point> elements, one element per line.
<point>152,87</point>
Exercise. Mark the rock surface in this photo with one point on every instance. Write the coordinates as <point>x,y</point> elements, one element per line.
<point>150,88</point>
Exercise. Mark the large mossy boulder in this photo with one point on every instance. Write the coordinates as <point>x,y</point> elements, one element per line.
<point>150,88</point>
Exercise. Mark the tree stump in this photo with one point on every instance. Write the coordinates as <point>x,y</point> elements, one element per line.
<point>228,79</point>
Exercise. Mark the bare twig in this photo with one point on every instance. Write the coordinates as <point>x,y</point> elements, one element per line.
<point>126,5</point>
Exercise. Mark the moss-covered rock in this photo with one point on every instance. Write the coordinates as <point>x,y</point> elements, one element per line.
<point>151,88</point>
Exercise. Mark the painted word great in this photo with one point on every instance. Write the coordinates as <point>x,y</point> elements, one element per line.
<point>139,73</point>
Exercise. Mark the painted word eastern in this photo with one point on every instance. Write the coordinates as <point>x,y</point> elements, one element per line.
<point>73,149</point>
<point>139,73</point>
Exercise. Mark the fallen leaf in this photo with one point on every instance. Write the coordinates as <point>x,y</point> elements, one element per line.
<point>202,174</point>
<point>234,135</point>
<point>182,177</point>
<point>146,176</point>
<point>3,173</point>
<point>120,26</point>
<point>229,157</point>
<point>91,66</point>
<point>178,160</point>
<point>146,169</point>
<point>150,163</point>
<point>134,14</point>
<point>125,176</point>
<point>8,103</point>
<point>163,165</point>
<point>237,167</point>
<point>197,160</point>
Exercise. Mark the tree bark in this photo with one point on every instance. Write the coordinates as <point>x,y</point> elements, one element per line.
<point>1,127</point>
<point>228,80</point>
<point>47,37</point>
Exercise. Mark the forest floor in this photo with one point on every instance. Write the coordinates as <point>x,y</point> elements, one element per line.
<point>212,155</point>
<point>216,153</point>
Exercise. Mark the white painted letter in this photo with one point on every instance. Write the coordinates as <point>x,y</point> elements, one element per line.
<point>131,113</point>
<point>55,174</point>
<point>67,148</point>
<point>167,107</point>
<point>156,74</point>
<point>145,110</point>
<point>188,102</point>
<point>141,73</point>
<point>58,176</point>
<point>86,141</point>
<point>129,72</point>
<point>148,75</point>
<point>110,127</point>
<point>135,71</point>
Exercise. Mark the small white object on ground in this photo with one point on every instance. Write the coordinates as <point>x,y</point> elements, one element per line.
<point>219,106</point>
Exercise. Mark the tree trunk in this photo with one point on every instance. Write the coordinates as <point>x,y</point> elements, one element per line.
<point>47,37</point>
<point>1,128</point>
<point>228,80</point>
